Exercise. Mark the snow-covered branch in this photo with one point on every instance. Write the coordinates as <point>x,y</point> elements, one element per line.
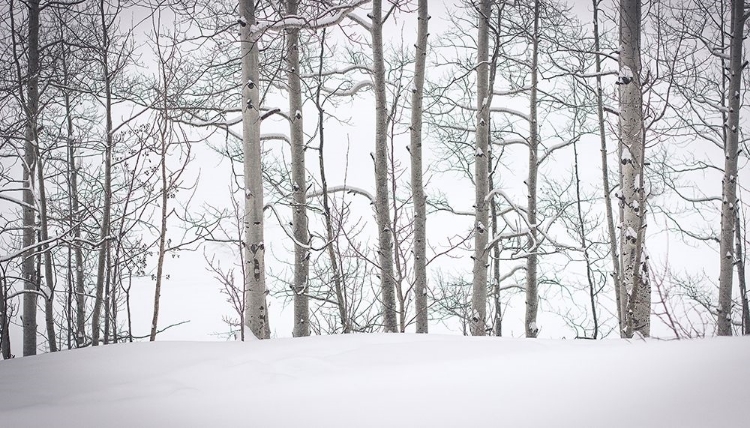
<point>200,123</point>
<point>344,188</point>
<point>21,292</point>
<point>512,112</point>
<point>548,151</point>
<point>599,74</point>
<point>359,20</point>
<point>507,235</point>
<point>60,237</point>
<point>720,53</point>
<point>510,92</point>
<point>339,71</point>
<point>17,201</point>
<point>511,273</point>
<point>511,142</point>
<point>306,246</point>
<point>329,17</point>
<point>275,136</point>
<point>356,87</point>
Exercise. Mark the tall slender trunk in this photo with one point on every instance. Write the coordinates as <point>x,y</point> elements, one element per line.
<point>730,203</point>
<point>69,279</point>
<point>4,318</point>
<point>164,136</point>
<point>338,280</point>
<point>635,274</point>
<point>48,268</point>
<point>299,181</point>
<point>479,271</point>
<point>385,238</point>
<point>75,262</point>
<point>28,272</point>
<point>107,206</point>
<point>417,186</point>
<point>584,244</point>
<point>605,168</point>
<point>398,260</point>
<point>107,295</point>
<point>163,218</point>
<point>741,277</point>
<point>117,267</point>
<point>532,291</point>
<point>256,313</point>
<point>80,288</point>
<point>498,323</point>
<point>128,307</point>
<point>115,281</point>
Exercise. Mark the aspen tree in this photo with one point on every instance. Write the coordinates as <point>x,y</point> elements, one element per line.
<point>636,299</point>
<point>481,232</point>
<point>418,195</point>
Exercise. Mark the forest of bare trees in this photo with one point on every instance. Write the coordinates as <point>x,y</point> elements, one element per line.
<point>533,168</point>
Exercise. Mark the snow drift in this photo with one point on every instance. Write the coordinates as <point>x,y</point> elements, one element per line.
<point>383,381</point>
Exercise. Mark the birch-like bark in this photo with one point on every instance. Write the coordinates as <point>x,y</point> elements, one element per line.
<point>256,313</point>
<point>634,272</point>
<point>417,186</point>
<point>299,181</point>
<point>605,167</point>
<point>730,203</point>
<point>481,172</point>
<point>28,272</point>
<point>385,237</point>
<point>532,290</point>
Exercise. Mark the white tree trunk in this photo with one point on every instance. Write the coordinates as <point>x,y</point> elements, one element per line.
<point>256,313</point>
<point>730,203</point>
<point>385,237</point>
<point>481,172</point>
<point>299,181</point>
<point>532,290</point>
<point>417,186</point>
<point>637,290</point>
<point>28,272</point>
<point>605,168</point>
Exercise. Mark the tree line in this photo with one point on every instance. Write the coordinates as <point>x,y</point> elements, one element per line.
<point>106,103</point>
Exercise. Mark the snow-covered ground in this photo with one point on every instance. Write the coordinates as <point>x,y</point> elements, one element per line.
<point>383,381</point>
